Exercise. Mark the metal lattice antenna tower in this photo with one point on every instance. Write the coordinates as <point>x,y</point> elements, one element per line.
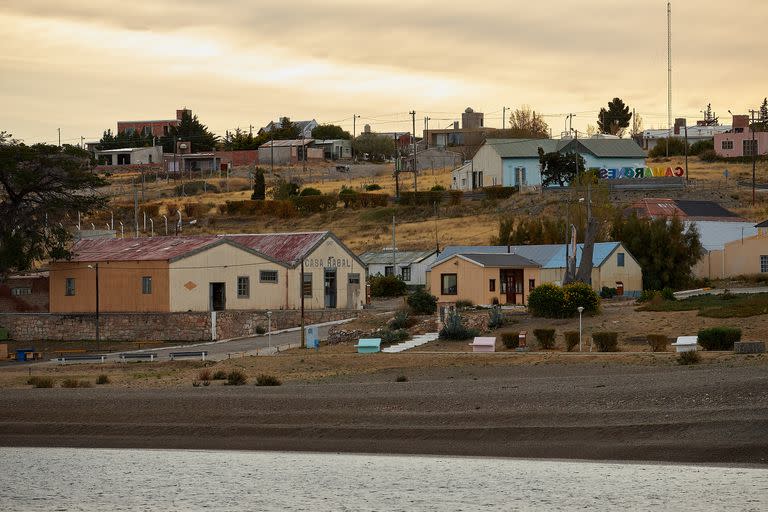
<point>669,64</point>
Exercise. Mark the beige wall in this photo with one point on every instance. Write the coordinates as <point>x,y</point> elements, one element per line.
<point>610,273</point>
<point>473,282</point>
<point>120,287</point>
<point>710,265</point>
<point>332,255</point>
<point>739,257</point>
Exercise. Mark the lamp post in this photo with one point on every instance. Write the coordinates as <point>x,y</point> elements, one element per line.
<point>580,309</point>
<point>269,329</point>
<point>95,266</point>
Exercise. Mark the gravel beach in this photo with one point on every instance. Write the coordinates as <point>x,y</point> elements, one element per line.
<point>706,414</point>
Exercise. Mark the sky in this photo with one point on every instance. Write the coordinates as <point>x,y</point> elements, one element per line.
<point>82,65</point>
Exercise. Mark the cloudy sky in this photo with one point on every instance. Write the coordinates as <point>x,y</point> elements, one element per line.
<point>80,65</point>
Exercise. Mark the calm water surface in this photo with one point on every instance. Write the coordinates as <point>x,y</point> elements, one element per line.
<point>101,479</point>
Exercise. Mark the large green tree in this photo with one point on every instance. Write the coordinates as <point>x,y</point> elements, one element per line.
<point>560,168</point>
<point>664,248</point>
<point>239,140</point>
<point>192,130</point>
<point>330,131</point>
<point>378,147</point>
<point>124,140</point>
<point>615,119</point>
<point>42,187</point>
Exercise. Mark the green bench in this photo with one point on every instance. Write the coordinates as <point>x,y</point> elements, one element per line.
<point>368,345</point>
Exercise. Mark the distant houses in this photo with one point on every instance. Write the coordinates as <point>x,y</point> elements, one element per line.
<point>739,141</point>
<point>410,266</point>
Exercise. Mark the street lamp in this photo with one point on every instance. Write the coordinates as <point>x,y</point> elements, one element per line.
<point>269,329</point>
<point>580,309</point>
<point>95,267</point>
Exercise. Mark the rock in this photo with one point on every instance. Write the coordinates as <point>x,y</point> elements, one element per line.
<point>749,347</point>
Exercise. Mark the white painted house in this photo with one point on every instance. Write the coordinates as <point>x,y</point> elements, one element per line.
<point>412,266</point>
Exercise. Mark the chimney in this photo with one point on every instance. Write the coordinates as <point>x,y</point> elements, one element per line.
<point>455,125</point>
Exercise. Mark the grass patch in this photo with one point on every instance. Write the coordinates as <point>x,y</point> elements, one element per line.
<point>220,375</point>
<point>74,383</point>
<point>726,305</point>
<point>267,380</point>
<point>40,382</point>
<point>236,378</point>
<point>103,379</point>
<point>687,358</point>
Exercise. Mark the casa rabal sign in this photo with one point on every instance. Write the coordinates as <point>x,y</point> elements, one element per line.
<point>638,172</point>
<point>331,262</point>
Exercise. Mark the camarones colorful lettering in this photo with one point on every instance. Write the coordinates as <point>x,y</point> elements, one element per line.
<point>638,172</point>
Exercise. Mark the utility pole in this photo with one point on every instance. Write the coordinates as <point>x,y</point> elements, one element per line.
<point>59,130</point>
<point>503,118</point>
<point>413,138</point>
<point>394,248</point>
<point>426,129</point>
<point>437,240</point>
<point>135,207</point>
<point>754,152</point>
<point>354,133</point>
<point>669,74</point>
<point>301,291</point>
<point>686,152</point>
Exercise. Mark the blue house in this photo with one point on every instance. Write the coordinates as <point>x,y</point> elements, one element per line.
<point>511,162</point>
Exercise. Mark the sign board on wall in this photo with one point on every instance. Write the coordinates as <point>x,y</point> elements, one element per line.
<point>637,172</point>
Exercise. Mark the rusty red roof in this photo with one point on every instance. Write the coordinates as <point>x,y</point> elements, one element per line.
<point>285,248</point>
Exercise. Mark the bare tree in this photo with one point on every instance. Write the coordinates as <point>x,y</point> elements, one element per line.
<point>526,123</point>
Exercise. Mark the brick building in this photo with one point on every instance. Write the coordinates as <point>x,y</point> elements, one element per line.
<point>155,127</point>
<point>26,293</point>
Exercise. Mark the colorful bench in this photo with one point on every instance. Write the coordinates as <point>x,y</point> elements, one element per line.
<point>686,343</point>
<point>483,344</point>
<point>368,345</point>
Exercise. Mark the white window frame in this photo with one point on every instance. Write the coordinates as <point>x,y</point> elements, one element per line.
<point>243,287</point>
<point>262,273</point>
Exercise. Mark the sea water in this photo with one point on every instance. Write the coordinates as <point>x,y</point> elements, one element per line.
<point>63,479</point>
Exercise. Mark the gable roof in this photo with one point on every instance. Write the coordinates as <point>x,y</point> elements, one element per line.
<point>683,209</point>
<point>499,260</point>
<point>401,257</point>
<point>547,256</point>
<point>600,147</point>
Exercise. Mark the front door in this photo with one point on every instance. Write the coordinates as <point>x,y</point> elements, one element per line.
<point>511,284</point>
<point>330,288</point>
<point>353,291</point>
<point>218,296</point>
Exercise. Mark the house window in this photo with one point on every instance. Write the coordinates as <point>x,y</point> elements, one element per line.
<point>307,285</point>
<point>405,272</point>
<point>268,276</point>
<point>21,291</point>
<point>70,286</point>
<point>620,259</point>
<point>448,284</point>
<point>750,147</point>
<point>146,285</point>
<point>389,271</point>
<point>727,144</point>
<point>763,263</point>
<point>353,278</point>
<point>491,285</point>
<point>243,287</point>
<point>531,284</point>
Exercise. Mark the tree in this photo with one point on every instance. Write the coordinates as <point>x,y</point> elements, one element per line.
<point>664,248</point>
<point>637,127</point>
<point>762,123</point>
<point>124,140</point>
<point>259,185</point>
<point>559,168</point>
<point>330,131</point>
<point>378,147</point>
<point>676,147</point>
<point>239,140</point>
<point>192,130</point>
<point>40,187</point>
<point>526,124</point>
<point>614,120</point>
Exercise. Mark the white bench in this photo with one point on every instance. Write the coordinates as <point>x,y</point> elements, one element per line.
<point>483,344</point>
<point>686,343</point>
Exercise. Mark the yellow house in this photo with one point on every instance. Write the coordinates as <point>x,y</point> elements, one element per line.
<point>739,257</point>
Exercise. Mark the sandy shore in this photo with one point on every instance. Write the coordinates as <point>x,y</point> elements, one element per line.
<point>712,413</point>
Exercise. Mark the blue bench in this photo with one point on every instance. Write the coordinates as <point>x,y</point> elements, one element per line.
<point>85,357</point>
<point>200,353</point>
<point>151,356</point>
<point>368,345</point>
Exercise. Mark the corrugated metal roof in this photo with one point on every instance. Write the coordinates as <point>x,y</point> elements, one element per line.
<point>529,148</point>
<point>715,234</point>
<point>521,148</point>
<point>401,257</point>
<point>548,256</point>
<point>683,209</point>
<point>610,148</point>
<point>287,143</point>
<point>500,260</point>
<point>285,248</point>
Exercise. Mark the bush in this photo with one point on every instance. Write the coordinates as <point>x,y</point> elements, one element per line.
<point>267,380</point>
<point>545,338</point>
<point>511,340</point>
<point>454,328</point>
<point>280,209</point>
<point>437,188</point>
<point>421,198</point>
<point>606,341</point>
<point>204,375</point>
<point>401,320</point>
<point>571,340</point>
<point>708,155</point>
<point>676,147</point>
<point>74,383</point>
<point>607,293</point>
<point>193,188</point>
<point>401,378</point>
<point>719,338</point>
<point>546,300</point>
<point>387,286</point>
<point>236,378</point>
<point>260,330</point>
<point>464,304</point>
<point>315,203</point>
<point>686,358</point>
<point>103,379</point>
<point>152,210</point>
<point>495,318</point>
<point>347,195</point>
<point>422,302</point>
<point>658,342</point>
<point>700,146</point>
<point>455,197</point>
<point>219,375</point>
<point>499,192</point>
<point>579,294</point>
<point>395,336</point>
<point>309,191</point>
<point>284,190</point>
<point>196,210</point>
<point>368,200</point>
<point>373,186</point>
<point>40,382</point>
<point>668,294</point>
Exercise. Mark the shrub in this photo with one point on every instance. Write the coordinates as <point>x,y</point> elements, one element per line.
<point>676,147</point>
<point>510,339</point>
<point>309,191</point>
<point>387,286</point>
<point>315,203</point>
<point>219,375</point>
<point>236,378</point>
<point>259,185</point>
<point>437,188</point>
<point>648,295</point>
<point>401,378</point>
<point>499,192</point>
<point>103,379</point>
<point>495,318</point>
<point>454,328</point>
<point>607,293</point>
<point>658,342</point>
<point>260,330</point>
<point>579,294</point>
<point>74,383</point>
<point>464,304</point>
<point>455,197</point>
<point>267,380</point>
<point>196,210</point>
<point>700,146</point>
<point>40,382</point>
<point>193,188</point>
<point>668,294</point>
<point>719,338</point>
<point>152,210</point>
<point>204,375</point>
<point>372,186</point>
<point>395,336</point>
<point>368,200</point>
<point>606,341</point>
<point>546,300</point>
<point>708,155</point>
<point>400,321</point>
<point>422,302</point>
<point>571,340</point>
<point>545,338</point>
<point>689,357</point>
<point>284,189</point>
<point>347,195</point>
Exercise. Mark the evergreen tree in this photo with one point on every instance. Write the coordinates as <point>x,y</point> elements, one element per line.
<point>330,131</point>
<point>615,119</point>
<point>558,168</point>
<point>259,185</point>
<point>191,130</point>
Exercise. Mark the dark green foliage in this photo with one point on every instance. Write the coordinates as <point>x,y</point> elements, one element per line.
<point>372,186</point>
<point>499,192</point>
<point>437,188</point>
<point>260,330</point>
<point>401,320</point>
<point>191,130</point>
<point>719,338</point>
<point>700,146</point>
<point>615,119</point>
<point>396,336</point>
<point>330,131</point>
<point>219,375</point>
<point>422,198</point>
<point>367,200</point>
<point>664,248</point>
<point>708,155</point>
<point>516,230</point>
<point>454,328</point>
<point>124,140</point>
<point>511,340</point>
<point>264,379</point>
<point>668,294</point>
<point>193,188</point>
<point>102,379</point>
<point>422,302</point>
<point>571,340</point>
<point>282,190</point>
<point>401,378</point>
<point>495,318</point>
<point>464,304</point>
<point>606,341</point>
<point>40,382</point>
<point>688,358</point>
<point>676,147</point>
<point>236,378</point>
<point>309,191</point>
<point>259,185</point>
<point>607,293</point>
<point>315,203</point>
<point>378,147</point>
<point>579,294</point>
<point>240,140</point>
<point>559,168</point>
<point>41,187</point>
<point>547,300</point>
<point>347,196</point>
<point>387,286</point>
<point>726,305</point>
<point>545,338</point>
<point>657,342</point>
